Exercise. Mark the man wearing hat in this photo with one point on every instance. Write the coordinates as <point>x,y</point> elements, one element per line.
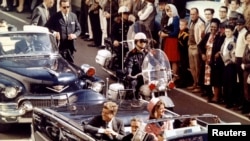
<point>233,16</point>
<point>239,51</point>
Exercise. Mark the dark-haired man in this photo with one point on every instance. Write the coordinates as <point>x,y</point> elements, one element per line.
<point>65,26</point>
<point>223,15</point>
<point>239,51</point>
<point>209,13</point>
<point>106,126</point>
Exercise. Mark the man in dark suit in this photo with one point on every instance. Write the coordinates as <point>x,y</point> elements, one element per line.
<point>28,44</point>
<point>65,26</point>
<point>106,126</point>
<point>41,13</point>
<point>94,17</point>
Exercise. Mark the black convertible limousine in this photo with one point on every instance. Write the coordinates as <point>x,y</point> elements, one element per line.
<point>67,122</point>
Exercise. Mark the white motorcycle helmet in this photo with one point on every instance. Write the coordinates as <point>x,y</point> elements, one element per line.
<point>139,36</point>
<point>123,9</point>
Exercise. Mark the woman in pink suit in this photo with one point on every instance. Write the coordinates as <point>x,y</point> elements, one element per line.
<point>156,108</point>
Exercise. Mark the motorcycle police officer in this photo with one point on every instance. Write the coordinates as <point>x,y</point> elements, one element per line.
<point>119,33</point>
<point>134,61</point>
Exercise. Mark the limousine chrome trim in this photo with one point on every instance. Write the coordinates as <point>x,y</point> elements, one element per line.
<point>74,130</point>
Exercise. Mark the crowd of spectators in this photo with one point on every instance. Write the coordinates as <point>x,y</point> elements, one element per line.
<point>208,56</point>
<point>204,56</point>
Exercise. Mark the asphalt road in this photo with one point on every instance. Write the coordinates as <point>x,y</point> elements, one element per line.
<point>185,102</point>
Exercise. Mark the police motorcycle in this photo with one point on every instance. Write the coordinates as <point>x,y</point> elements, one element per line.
<point>157,76</point>
<point>156,70</point>
<point>111,57</point>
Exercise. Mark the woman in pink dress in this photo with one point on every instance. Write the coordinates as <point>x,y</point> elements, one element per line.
<point>156,108</point>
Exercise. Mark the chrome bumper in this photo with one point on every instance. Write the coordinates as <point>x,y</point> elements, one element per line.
<point>10,113</point>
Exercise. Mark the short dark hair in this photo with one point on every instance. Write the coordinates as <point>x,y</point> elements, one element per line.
<point>209,9</point>
<point>216,20</point>
<point>226,8</point>
<point>61,1</point>
<point>228,26</point>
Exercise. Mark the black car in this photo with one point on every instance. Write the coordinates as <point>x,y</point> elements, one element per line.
<point>33,74</point>
<point>67,122</point>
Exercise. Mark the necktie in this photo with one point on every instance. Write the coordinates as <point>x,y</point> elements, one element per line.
<point>207,25</point>
<point>47,14</point>
<point>66,18</point>
<point>108,127</point>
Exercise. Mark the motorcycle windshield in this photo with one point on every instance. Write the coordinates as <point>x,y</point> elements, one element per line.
<point>156,66</point>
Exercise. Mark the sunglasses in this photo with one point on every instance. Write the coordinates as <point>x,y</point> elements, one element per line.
<point>64,7</point>
<point>143,41</point>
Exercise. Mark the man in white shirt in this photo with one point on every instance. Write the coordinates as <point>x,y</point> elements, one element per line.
<point>239,50</point>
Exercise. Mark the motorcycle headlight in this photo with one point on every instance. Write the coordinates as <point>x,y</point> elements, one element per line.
<point>11,92</point>
<point>97,86</point>
<point>161,85</point>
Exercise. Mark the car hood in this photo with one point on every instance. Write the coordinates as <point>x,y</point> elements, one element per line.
<point>55,69</point>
